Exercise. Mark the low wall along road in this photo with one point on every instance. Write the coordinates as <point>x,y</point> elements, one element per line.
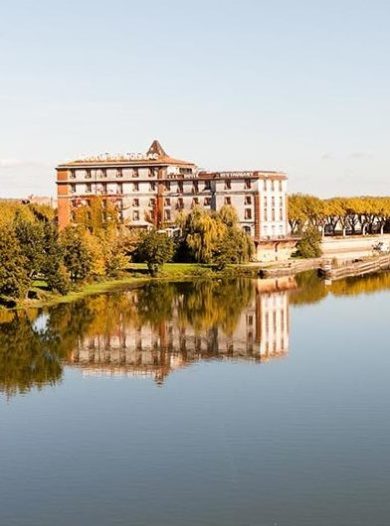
<point>351,247</point>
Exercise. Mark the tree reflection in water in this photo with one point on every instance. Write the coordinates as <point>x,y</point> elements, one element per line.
<point>28,357</point>
<point>157,328</point>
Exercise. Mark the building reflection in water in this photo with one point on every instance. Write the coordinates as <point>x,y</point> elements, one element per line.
<point>258,330</point>
<point>160,327</point>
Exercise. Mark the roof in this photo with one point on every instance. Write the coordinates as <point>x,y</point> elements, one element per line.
<point>155,156</point>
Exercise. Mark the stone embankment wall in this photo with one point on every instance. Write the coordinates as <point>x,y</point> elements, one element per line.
<point>351,247</point>
<point>342,248</point>
<point>346,269</point>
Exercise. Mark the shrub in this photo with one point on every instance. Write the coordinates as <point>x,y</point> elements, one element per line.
<point>309,246</point>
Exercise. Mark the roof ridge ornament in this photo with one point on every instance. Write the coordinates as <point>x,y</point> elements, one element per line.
<point>156,149</point>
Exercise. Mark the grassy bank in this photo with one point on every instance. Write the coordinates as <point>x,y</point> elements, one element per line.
<point>136,275</point>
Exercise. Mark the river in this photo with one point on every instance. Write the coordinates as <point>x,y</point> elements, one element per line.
<point>247,402</point>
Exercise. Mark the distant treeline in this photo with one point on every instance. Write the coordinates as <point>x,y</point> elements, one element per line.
<point>344,215</point>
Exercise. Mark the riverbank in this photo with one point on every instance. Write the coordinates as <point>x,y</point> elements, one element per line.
<point>136,275</point>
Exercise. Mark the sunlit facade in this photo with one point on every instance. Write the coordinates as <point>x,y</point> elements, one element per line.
<point>154,187</point>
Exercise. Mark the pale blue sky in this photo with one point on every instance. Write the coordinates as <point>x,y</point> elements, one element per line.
<point>301,86</point>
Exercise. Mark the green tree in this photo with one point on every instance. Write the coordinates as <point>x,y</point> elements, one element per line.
<point>309,246</point>
<point>31,241</point>
<point>234,247</point>
<point>55,272</point>
<point>155,248</point>
<point>78,259</point>
<point>14,280</point>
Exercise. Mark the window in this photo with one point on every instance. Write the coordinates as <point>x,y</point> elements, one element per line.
<point>167,185</point>
<point>280,214</point>
<point>152,202</point>
<point>119,188</point>
<point>119,173</point>
<point>167,215</point>
<point>248,183</point>
<point>72,174</point>
<point>135,215</point>
<point>135,187</point>
<point>248,213</point>
<point>135,172</point>
<point>195,188</point>
<point>73,188</point>
<point>207,185</point>
<point>88,174</point>
<point>228,184</point>
<point>88,188</point>
<point>247,230</point>
<point>228,200</point>
<point>180,187</point>
<point>250,320</point>
<point>248,200</point>
<point>280,186</point>
<point>265,185</point>
<point>207,201</point>
<point>273,214</point>
<point>167,201</point>
<point>135,202</point>
<point>273,185</point>
<point>195,201</point>
<point>152,187</point>
<point>180,203</point>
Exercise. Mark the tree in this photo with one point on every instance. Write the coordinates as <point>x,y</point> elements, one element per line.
<point>30,236</point>
<point>98,215</point>
<point>201,234</point>
<point>55,272</point>
<point>234,247</point>
<point>155,248</point>
<point>14,280</point>
<point>78,259</point>
<point>309,246</point>
<point>228,215</point>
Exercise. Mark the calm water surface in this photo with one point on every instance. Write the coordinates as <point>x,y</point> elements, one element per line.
<point>257,403</point>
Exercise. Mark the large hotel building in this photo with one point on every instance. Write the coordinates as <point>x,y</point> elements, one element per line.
<point>154,187</point>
